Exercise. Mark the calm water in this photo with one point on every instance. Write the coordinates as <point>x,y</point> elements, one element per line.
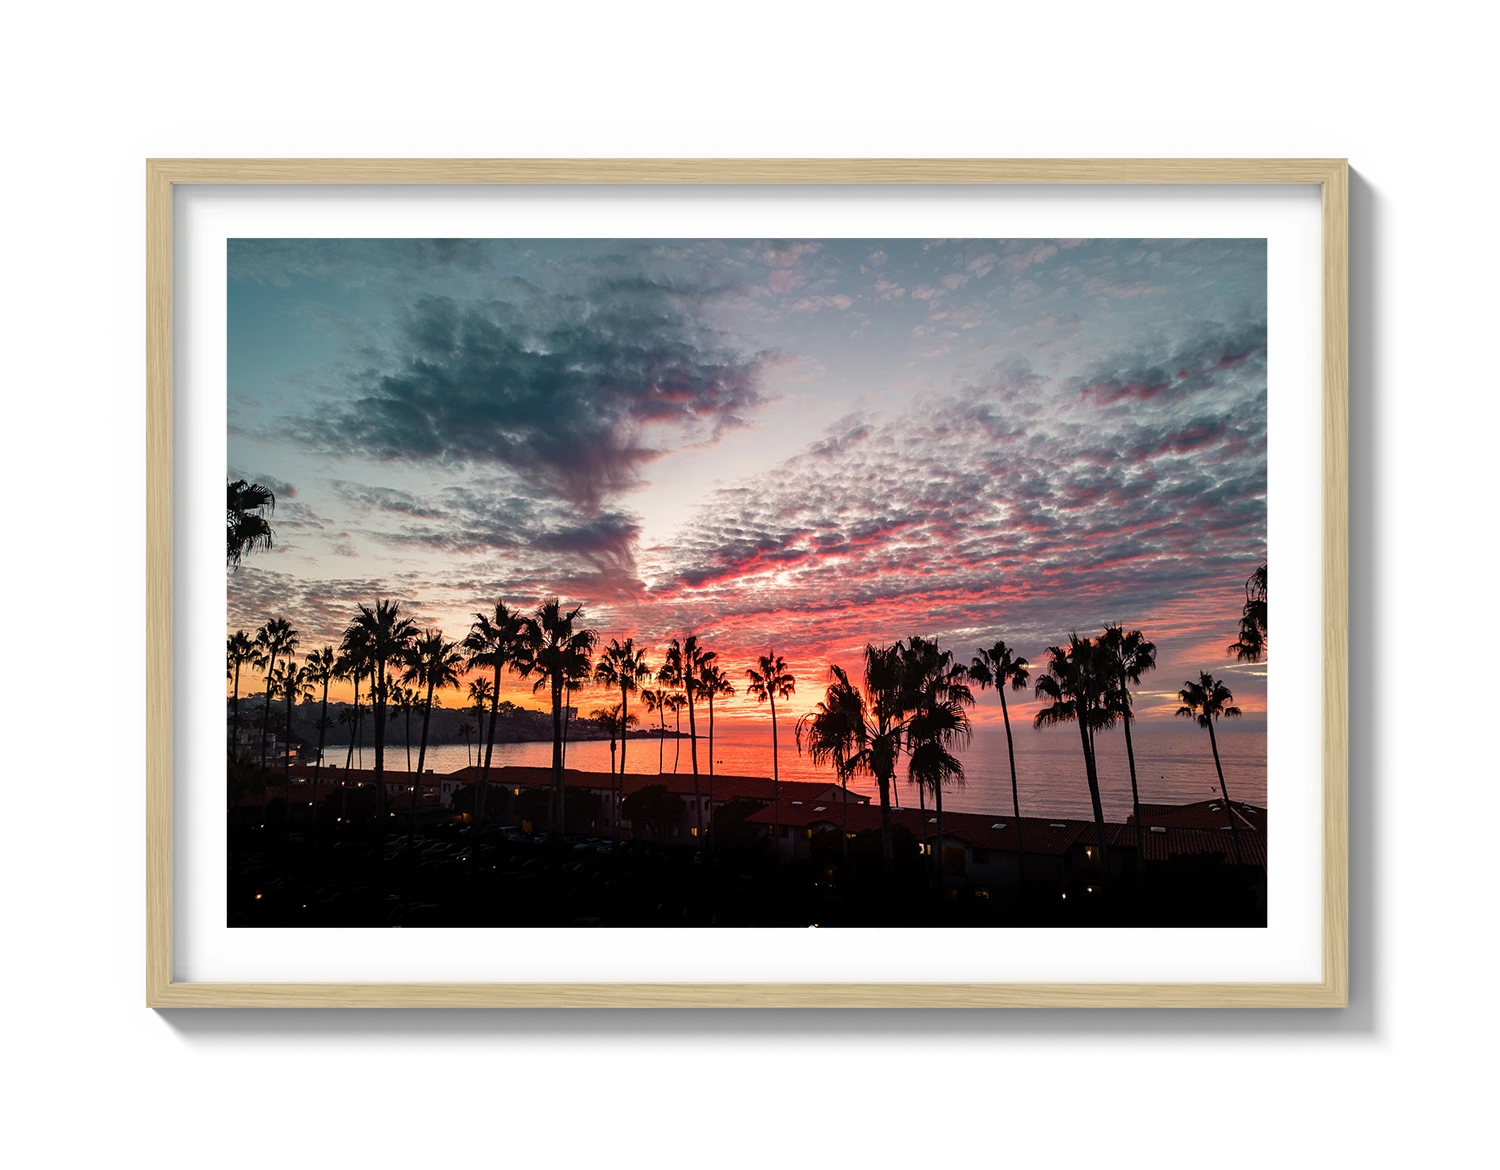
<point>1173,765</point>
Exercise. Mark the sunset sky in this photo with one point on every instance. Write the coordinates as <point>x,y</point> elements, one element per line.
<point>800,444</point>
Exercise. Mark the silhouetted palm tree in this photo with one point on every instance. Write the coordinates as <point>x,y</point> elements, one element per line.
<point>622,666</point>
<point>322,669</point>
<point>1206,701</point>
<point>557,650</point>
<point>861,731</point>
<point>276,639</point>
<point>466,733</point>
<point>935,696</point>
<point>404,700</point>
<point>432,662</point>
<point>770,679</point>
<point>241,651</point>
<point>712,682</point>
<point>493,643</point>
<point>1250,646</point>
<point>608,719</point>
<point>386,635</point>
<point>999,667</point>
<point>656,704</point>
<point>249,529</point>
<point>1080,683</point>
<point>1129,655</point>
<point>676,701</point>
<point>292,685</point>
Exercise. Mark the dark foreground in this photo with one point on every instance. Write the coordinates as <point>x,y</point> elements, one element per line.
<point>279,878</point>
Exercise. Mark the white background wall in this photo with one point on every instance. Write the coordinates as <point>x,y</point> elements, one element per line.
<point>1401,1076</point>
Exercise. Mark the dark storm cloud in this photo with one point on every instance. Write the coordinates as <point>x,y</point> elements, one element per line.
<point>572,393</point>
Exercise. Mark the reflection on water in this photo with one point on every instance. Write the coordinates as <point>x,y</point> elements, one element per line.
<point>1173,764</point>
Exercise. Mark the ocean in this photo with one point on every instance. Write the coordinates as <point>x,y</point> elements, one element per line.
<point>1174,764</point>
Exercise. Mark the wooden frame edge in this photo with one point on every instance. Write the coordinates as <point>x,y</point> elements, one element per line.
<point>162,175</point>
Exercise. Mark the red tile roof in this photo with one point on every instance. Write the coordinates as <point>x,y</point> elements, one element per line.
<point>1167,843</point>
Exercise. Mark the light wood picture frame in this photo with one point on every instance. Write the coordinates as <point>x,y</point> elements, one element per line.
<point>164,176</point>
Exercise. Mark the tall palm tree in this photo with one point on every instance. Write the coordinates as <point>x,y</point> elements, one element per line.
<point>861,731</point>
<point>656,704</point>
<point>1250,646</point>
<point>241,652</point>
<point>466,733</point>
<point>712,683</point>
<point>386,635</point>
<point>557,649</point>
<point>247,519</point>
<point>351,664</point>
<point>1129,655</point>
<point>292,685</point>
<point>322,669</point>
<point>676,701</point>
<point>936,695</point>
<point>435,663</point>
<point>1080,684</point>
<point>493,643</point>
<point>608,719</point>
<point>622,665</point>
<point>403,700</point>
<point>770,679</point>
<point>276,639</point>
<point>1206,701</point>
<point>999,667</point>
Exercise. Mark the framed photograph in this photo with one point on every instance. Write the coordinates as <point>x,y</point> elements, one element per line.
<point>746,583</point>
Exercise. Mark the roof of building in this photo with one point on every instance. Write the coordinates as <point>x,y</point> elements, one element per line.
<point>725,787</point>
<point>1202,814</point>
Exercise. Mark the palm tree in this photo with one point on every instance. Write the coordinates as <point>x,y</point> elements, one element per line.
<point>1206,701</point>
<point>466,733</point>
<point>608,718</point>
<point>493,642</point>
<point>249,529</point>
<point>935,694</point>
<point>435,663</point>
<point>623,666</point>
<point>771,680</point>
<point>557,651</point>
<point>999,667</point>
<point>1250,646</point>
<point>322,669</point>
<point>1129,655</point>
<point>675,702</point>
<point>292,685</point>
<point>276,639</point>
<point>403,699</point>
<point>656,704</point>
<point>712,682</point>
<point>861,731</point>
<point>351,664</point>
<point>386,636</point>
<point>241,652</point>
<point>1081,684</point>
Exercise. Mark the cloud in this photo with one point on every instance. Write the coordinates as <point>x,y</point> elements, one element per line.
<point>574,393</point>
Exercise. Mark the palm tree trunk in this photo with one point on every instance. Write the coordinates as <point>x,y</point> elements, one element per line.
<point>1093,778</point>
<point>1234,829</point>
<point>1135,796</point>
<point>318,764</point>
<point>286,768</point>
<point>234,734</point>
<point>380,701</point>
<point>846,821</point>
<point>562,787</point>
<point>408,738</point>
<point>693,745</point>
<point>887,847</point>
<point>677,748</point>
<point>624,724</point>
<point>353,727</point>
<point>775,782</point>
<point>554,803</point>
<point>938,791</point>
<point>265,719</point>
<point>416,790</point>
<point>713,840</point>
<point>489,751</point>
<point>661,742</point>
<point>1015,799</point>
